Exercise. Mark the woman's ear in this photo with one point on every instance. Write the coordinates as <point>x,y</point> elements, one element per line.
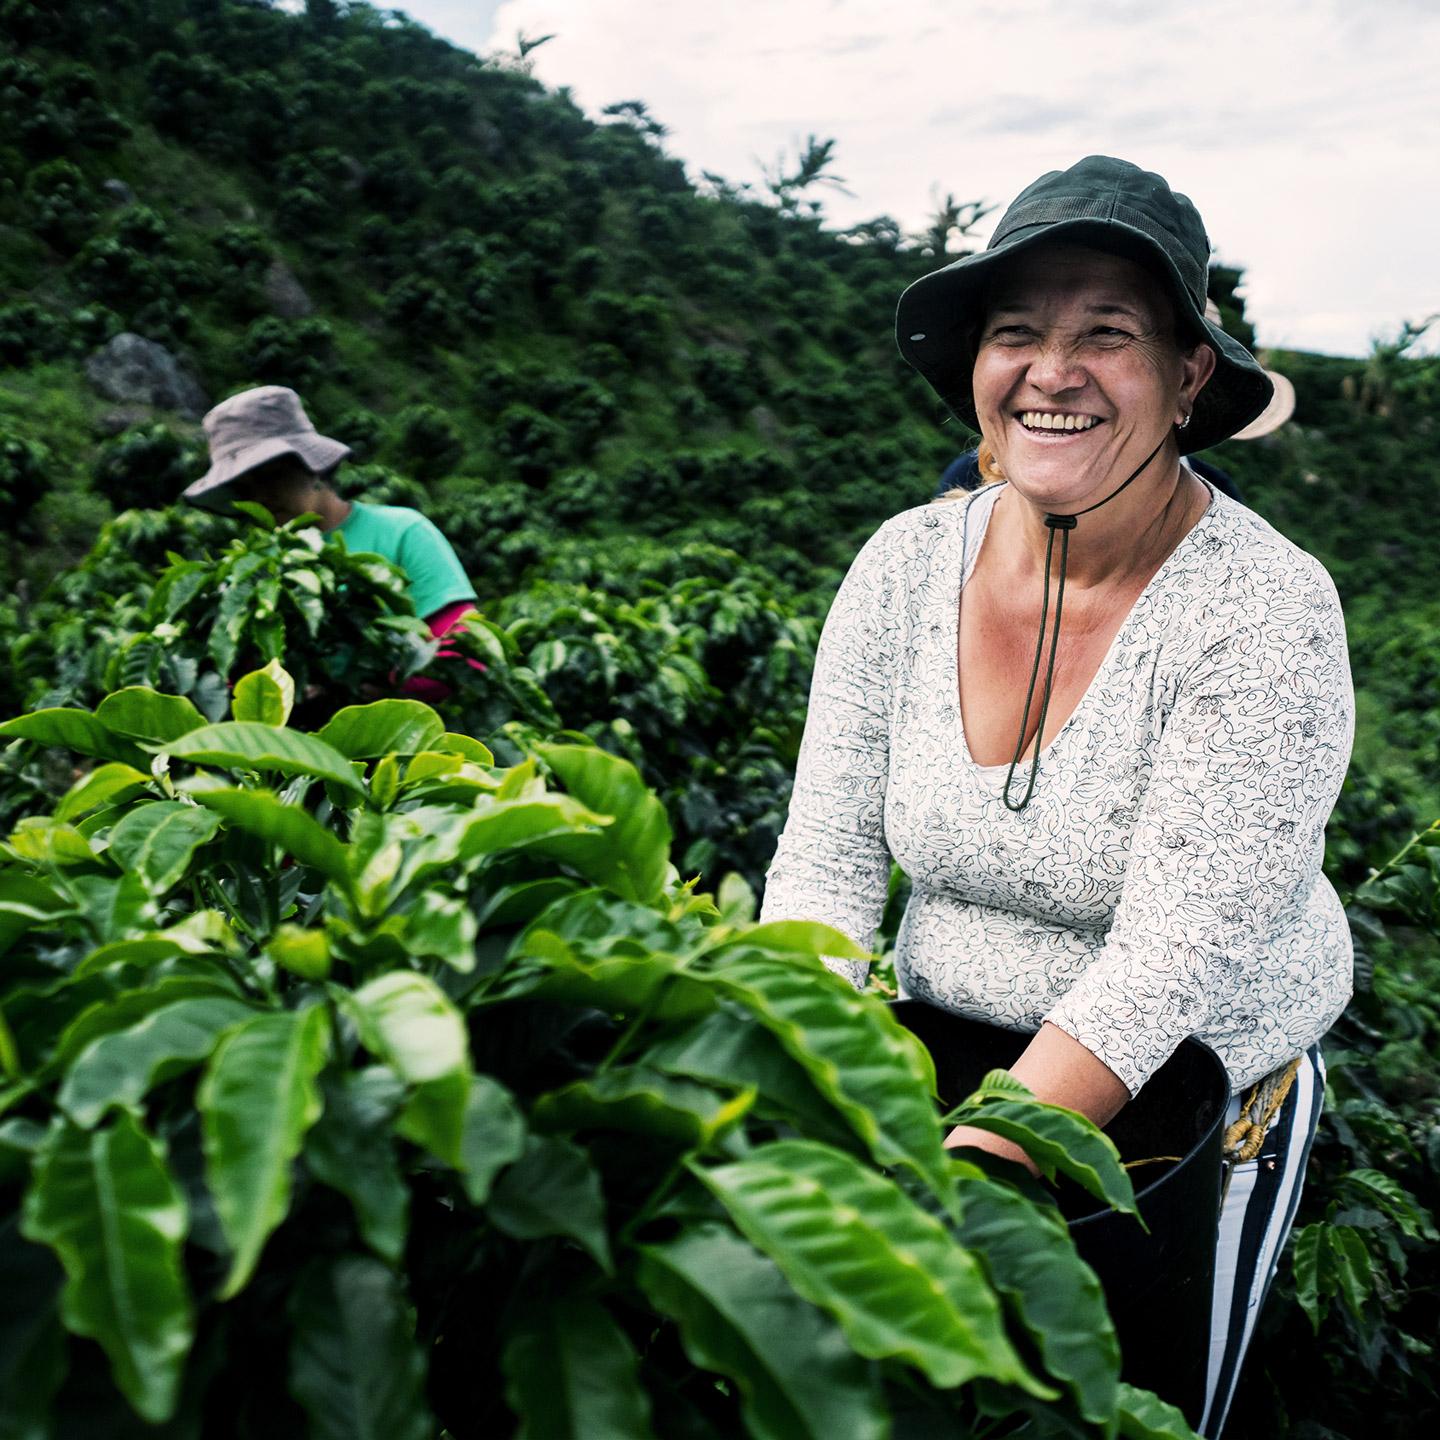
<point>1196,369</point>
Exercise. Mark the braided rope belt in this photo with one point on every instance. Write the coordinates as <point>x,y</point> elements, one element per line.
<point>1245,1137</point>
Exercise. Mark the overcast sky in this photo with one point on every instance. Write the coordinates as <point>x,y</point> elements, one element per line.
<point>1306,131</point>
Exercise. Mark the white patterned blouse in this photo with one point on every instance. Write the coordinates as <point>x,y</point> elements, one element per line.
<point>1165,879</point>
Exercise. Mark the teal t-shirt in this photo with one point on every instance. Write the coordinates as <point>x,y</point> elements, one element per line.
<point>435,578</point>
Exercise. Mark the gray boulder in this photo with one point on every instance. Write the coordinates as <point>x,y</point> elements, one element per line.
<point>284,294</point>
<point>116,422</point>
<point>134,370</point>
<point>118,192</point>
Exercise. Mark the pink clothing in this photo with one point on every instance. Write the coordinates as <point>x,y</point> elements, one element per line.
<point>444,620</point>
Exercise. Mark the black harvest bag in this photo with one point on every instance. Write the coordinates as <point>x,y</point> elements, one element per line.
<point>1158,1285</point>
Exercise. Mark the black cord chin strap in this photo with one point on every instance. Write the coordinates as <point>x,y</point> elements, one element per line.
<point>1062,525</point>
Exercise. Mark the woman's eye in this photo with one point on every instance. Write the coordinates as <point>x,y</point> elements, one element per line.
<point>1010,333</point>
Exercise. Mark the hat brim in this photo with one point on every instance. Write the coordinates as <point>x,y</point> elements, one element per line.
<point>1275,414</point>
<point>212,490</point>
<point>937,320</point>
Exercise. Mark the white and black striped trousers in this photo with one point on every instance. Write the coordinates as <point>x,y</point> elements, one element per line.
<point>1255,1221</point>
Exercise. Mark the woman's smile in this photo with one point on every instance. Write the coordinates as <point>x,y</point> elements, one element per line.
<point>1050,426</point>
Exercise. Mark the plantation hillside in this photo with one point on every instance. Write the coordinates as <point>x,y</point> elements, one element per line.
<point>656,413</point>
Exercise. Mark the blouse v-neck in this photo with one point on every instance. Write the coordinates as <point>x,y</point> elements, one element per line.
<point>986,498</point>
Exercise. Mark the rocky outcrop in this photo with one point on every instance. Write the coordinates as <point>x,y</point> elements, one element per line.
<point>116,422</point>
<point>284,294</point>
<point>132,369</point>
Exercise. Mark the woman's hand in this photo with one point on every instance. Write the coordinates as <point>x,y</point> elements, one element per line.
<point>1061,1071</point>
<point>970,1137</point>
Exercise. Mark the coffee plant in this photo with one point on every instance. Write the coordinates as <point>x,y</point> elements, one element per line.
<point>426,1086</point>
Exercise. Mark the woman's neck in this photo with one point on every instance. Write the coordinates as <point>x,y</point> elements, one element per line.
<point>1129,536</point>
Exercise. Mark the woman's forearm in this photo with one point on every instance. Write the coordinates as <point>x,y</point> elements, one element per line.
<point>1058,1069</point>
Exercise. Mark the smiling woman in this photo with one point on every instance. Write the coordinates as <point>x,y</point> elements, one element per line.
<point>1099,712</point>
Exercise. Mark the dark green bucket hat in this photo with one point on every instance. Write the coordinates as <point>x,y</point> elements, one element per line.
<point>1109,205</point>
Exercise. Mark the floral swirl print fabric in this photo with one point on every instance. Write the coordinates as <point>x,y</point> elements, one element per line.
<point>1165,879</point>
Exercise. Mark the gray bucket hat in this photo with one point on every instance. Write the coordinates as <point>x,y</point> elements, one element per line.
<point>1113,206</point>
<point>254,427</point>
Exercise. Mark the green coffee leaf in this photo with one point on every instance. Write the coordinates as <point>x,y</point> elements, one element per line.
<point>553,1189</point>
<point>355,1365</point>
<point>202,932</point>
<point>735,1049</point>
<point>140,713</point>
<point>245,745</point>
<point>119,1012</point>
<point>157,841</point>
<point>104,785</point>
<point>739,1318</point>
<point>105,1202</point>
<point>1031,1261</point>
<point>446,837</point>
<point>257,1101</point>
<point>24,903</point>
<point>442,927</point>
<point>385,782</point>
<point>385,727</point>
<point>1391,1198</point>
<point>572,1374</point>
<point>471,1122</point>
<point>124,1065</point>
<point>407,1021</point>
<point>556,970</point>
<point>859,1058</point>
<point>735,900</point>
<point>262,813</point>
<point>1056,1139</point>
<point>856,1245</point>
<point>264,696</point>
<point>632,856</point>
<point>1305,1255</point>
<point>302,952</point>
<point>465,747</point>
<point>76,730</point>
<point>521,902</point>
<point>1144,1416</point>
<point>113,907</point>
<point>800,937</point>
<point>351,1150</point>
<point>641,1101</point>
<point>44,841</point>
<point>1352,1269</point>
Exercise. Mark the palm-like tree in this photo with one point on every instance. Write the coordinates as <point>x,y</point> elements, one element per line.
<point>787,185</point>
<point>637,113</point>
<point>951,219</point>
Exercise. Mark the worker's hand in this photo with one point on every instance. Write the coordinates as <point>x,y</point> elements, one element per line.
<point>971,1137</point>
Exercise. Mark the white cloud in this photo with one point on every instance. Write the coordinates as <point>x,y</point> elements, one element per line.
<point>1305,130</point>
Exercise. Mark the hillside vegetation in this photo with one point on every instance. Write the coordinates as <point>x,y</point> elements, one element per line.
<point>656,414</point>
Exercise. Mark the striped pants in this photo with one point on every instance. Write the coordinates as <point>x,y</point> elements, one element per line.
<point>1255,1221</point>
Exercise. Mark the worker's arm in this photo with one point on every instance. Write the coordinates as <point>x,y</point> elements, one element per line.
<point>1058,1069</point>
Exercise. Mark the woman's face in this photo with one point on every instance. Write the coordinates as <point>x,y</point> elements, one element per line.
<point>284,487</point>
<point>1078,374</point>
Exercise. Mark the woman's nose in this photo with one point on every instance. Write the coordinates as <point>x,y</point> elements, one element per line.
<point>1055,367</point>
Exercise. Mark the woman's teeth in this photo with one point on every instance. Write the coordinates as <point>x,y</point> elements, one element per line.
<point>1043,420</point>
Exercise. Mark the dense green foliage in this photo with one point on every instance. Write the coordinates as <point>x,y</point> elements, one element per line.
<point>354,1085</point>
<point>656,420</point>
